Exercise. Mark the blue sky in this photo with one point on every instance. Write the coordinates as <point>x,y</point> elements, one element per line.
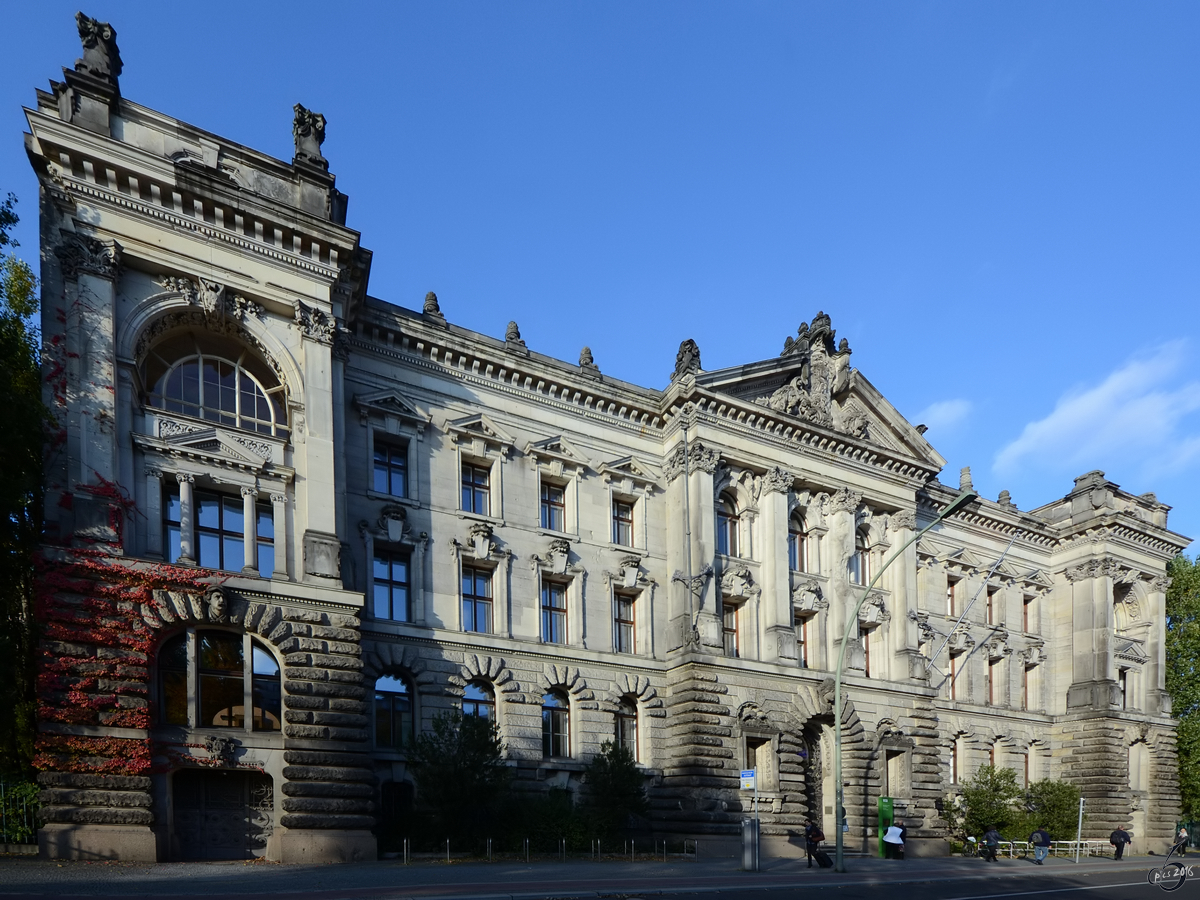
<point>997,203</point>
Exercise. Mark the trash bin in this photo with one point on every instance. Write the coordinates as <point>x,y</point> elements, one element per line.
<point>750,845</point>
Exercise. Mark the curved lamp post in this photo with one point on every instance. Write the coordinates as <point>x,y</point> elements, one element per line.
<point>956,504</point>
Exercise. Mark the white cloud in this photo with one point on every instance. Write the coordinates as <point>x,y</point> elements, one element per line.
<point>1133,418</point>
<point>944,415</point>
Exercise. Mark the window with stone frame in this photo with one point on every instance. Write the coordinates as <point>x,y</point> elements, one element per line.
<point>390,467</point>
<point>1028,614</point>
<point>624,624</point>
<point>219,529</point>
<point>554,612</point>
<point>395,715</point>
<point>627,726</point>
<point>860,560</point>
<point>479,701</point>
<point>864,637</point>
<point>803,646</point>
<point>477,599</point>
<point>993,605</point>
<point>730,630</point>
<point>556,725</point>
<point>208,678</point>
<point>955,662</point>
<point>622,522</point>
<point>728,524</point>
<point>952,598</point>
<point>476,489</point>
<point>553,506</point>
<point>392,596</point>
<point>797,545</point>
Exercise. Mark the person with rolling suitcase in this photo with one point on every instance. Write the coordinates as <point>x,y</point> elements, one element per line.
<point>813,835</point>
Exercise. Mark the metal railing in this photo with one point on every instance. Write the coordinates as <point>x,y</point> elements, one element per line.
<point>18,812</point>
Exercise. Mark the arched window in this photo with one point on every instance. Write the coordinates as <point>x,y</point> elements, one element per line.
<point>556,725</point>
<point>173,681</point>
<point>727,526</point>
<point>797,545</point>
<point>218,380</point>
<point>860,562</point>
<point>627,726</point>
<point>213,687</point>
<point>267,708</point>
<point>393,713</point>
<point>479,701</point>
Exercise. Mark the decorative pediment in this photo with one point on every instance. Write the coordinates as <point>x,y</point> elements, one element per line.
<point>559,453</point>
<point>1131,650</point>
<point>949,555</point>
<point>1037,578</point>
<point>216,444</point>
<point>629,472</point>
<point>390,403</point>
<point>479,430</point>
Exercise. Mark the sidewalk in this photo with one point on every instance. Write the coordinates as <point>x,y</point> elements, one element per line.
<point>502,880</point>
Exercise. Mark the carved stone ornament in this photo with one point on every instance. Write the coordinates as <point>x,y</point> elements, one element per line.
<point>961,639</point>
<point>80,254</point>
<point>1096,568</point>
<point>737,581</point>
<point>393,519</point>
<point>873,611</point>
<point>699,458</point>
<point>222,750</point>
<point>431,307</point>
<point>687,360</point>
<point>695,584</point>
<point>853,421</point>
<point>844,500</point>
<point>557,558</point>
<point>824,373</point>
<point>997,646</point>
<point>925,632</point>
<point>808,597</point>
<point>1161,583</point>
<point>315,323</point>
<point>101,58</point>
<point>586,360</point>
<point>212,297</point>
<point>776,481</point>
<point>169,428</point>
<point>904,519</point>
<point>630,567</point>
<point>753,716</point>
<point>512,334</point>
<point>1034,654</point>
<point>481,540</point>
<point>308,131</point>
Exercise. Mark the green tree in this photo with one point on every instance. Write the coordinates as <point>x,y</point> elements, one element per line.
<point>21,455</point>
<point>1183,673</point>
<point>616,789</point>
<point>989,797</point>
<point>1054,804</point>
<point>461,777</point>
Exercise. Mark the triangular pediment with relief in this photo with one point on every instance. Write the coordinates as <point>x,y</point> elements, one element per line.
<point>812,380</point>
<point>557,449</point>
<point>1037,577</point>
<point>392,403</point>
<point>631,469</point>
<point>948,554</point>
<point>213,443</point>
<point>479,427</point>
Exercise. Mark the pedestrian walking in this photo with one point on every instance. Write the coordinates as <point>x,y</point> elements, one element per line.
<point>813,836</point>
<point>893,843</point>
<point>1181,841</point>
<point>903,837</point>
<point>1041,844</point>
<point>1119,838</point>
<point>991,844</point>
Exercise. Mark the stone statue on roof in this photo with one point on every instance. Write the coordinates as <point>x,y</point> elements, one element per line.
<point>687,360</point>
<point>308,130</point>
<point>101,58</point>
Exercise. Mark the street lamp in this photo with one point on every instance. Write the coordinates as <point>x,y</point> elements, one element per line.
<point>956,504</point>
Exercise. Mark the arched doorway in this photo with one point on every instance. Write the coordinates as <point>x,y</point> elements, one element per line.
<point>221,814</point>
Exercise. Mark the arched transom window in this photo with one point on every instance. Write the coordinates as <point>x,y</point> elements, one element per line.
<point>216,380</point>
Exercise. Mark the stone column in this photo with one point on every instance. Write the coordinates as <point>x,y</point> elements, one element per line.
<point>417,566</point>
<point>279,520</point>
<point>692,508</point>
<point>776,598</point>
<point>842,507</point>
<point>250,530</point>
<point>154,533</point>
<point>187,520</point>
<point>902,577</point>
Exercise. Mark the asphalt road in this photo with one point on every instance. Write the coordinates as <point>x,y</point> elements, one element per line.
<point>949,879</point>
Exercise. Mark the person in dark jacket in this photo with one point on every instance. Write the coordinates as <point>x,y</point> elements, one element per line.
<point>1041,844</point>
<point>1119,838</point>
<point>991,844</point>
<point>813,836</point>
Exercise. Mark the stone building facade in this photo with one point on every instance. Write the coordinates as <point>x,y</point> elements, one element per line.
<point>288,523</point>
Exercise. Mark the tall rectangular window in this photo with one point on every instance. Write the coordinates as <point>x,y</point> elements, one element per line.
<point>477,599</point>
<point>554,507</point>
<point>992,685</point>
<point>622,524</point>
<point>391,469</point>
<point>993,606</point>
<point>391,586</point>
<point>219,526</point>
<point>1024,687</point>
<point>554,612</point>
<point>623,624</point>
<point>864,635</point>
<point>265,536</point>
<point>1027,622</point>
<point>476,490</point>
<point>953,676</point>
<point>802,640</point>
<point>729,627</point>
<point>954,762</point>
<point>797,548</point>
<point>951,597</point>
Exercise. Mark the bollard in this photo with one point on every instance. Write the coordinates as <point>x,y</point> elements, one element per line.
<point>406,851</point>
<point>526,849</point>
<point>489,849</point>
<point>447,849</point>
<point>562,849</point>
